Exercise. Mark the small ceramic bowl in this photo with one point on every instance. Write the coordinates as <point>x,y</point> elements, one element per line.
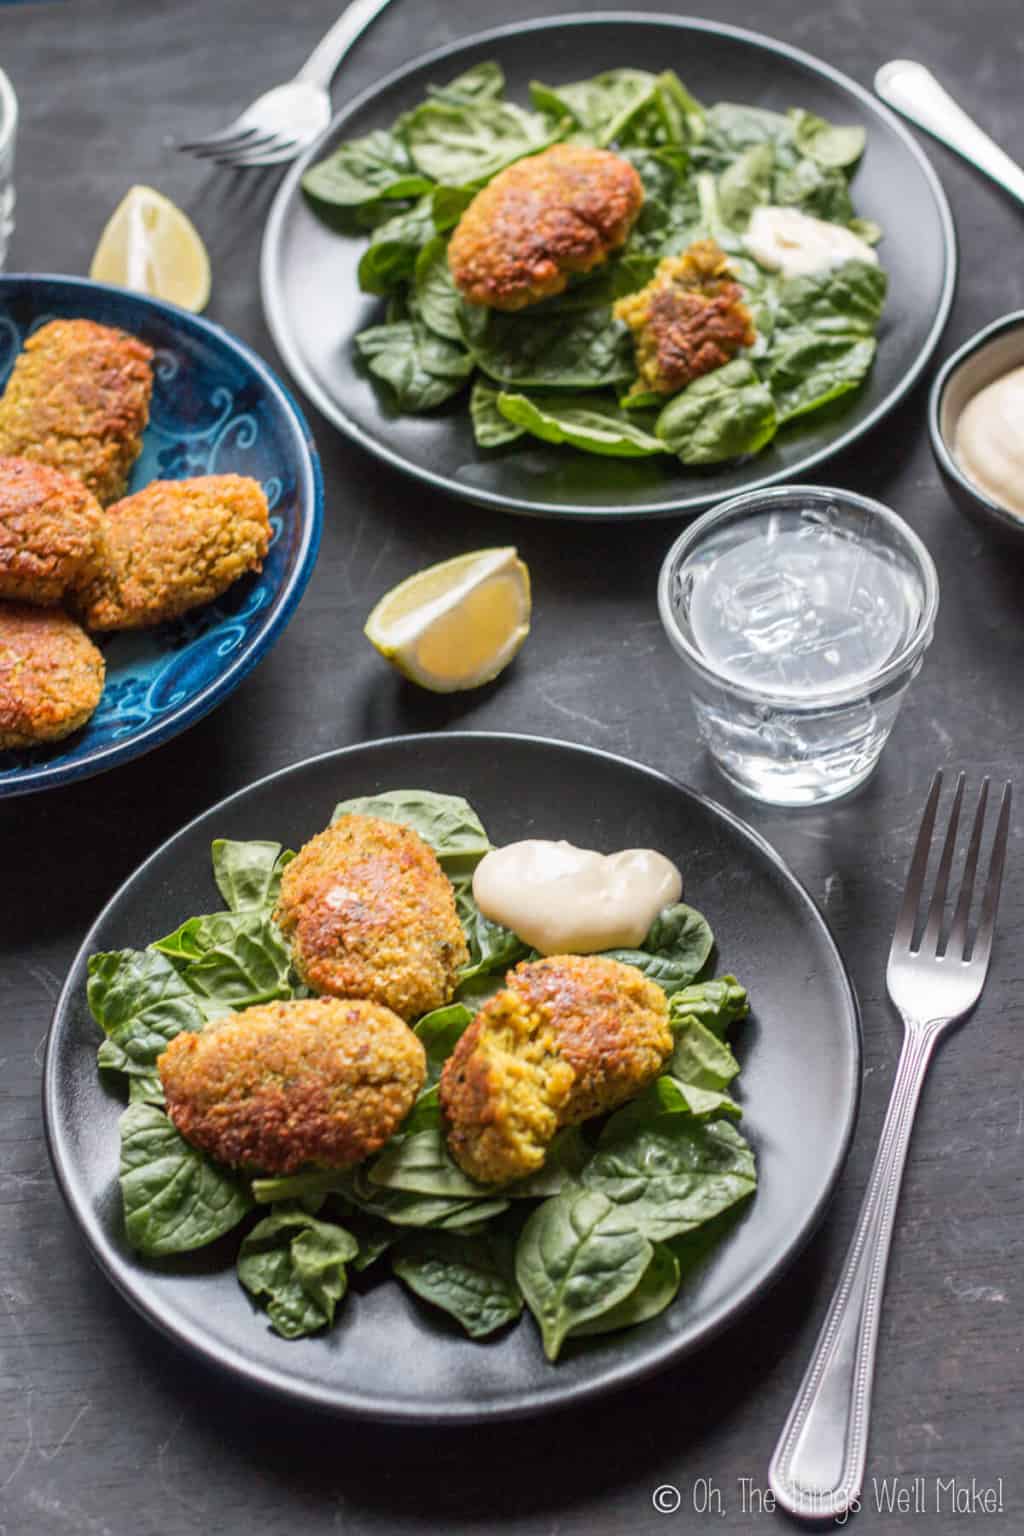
<point>979,362</point>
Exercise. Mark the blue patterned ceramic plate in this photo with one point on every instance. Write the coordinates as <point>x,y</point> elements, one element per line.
<point>216,409</point>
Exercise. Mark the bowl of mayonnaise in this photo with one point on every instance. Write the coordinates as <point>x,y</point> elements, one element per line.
<point>976,420</point>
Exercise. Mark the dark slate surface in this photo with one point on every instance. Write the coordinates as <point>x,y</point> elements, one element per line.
<point>104,1428</point>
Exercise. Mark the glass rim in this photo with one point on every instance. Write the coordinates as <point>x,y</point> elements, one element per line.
<point>8,110</point>
<point>749,501</point>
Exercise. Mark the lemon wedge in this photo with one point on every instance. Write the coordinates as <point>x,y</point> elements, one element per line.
<point>458,624</point>
<point>150,246</point>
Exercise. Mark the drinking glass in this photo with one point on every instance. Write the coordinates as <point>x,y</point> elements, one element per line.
<point>8,132</point>
<point>802,616</point>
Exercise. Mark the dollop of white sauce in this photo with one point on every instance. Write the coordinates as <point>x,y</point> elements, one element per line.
<point>989,440</point>
<point>795,244</point>
<point>566,900</point>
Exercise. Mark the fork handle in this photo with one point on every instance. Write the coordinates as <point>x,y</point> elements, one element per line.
<point>913,90</point>
<point>817,1470</point>
<point>319,68</point>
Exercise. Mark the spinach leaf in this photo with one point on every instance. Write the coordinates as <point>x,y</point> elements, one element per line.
<point>312,1186</point>
<point>578,1255</point>
<point>675,950</point>
<point>140,1002</point>
<point>422,1165</point>
<point>667,1096</point>
<point>425,1114</point>
<point>810,370</point>
<point>492,946</point>
<point>461,141</point>
<point>722,415</point>
<point>563,349</point>
<point>656,1289</point>
<point>717,1004</point>
<point>746,183</point>
<point>730,128</point>
<point>601,106</point>
<point>484,82</point>
<point>374,1237</point>
<point>234,959</point>
<point>424,370</point>
<point>437,299</point>
<point>468,1277</point>
<point>447,823</point>
<point>363,170</point>
<point>846,301</point>
<point>816,189</point>
<point>298,1264</point>
<point>672,1174</point>
<point>390,258</point>
<point>490,428</point>
<point>825,142</point>
<point>866,229</point>
<point>448,204</point>
<point>700,1058</point>
<point>585,422</point>
<point>248,874</point>
<point>175,1198</point>
<point>669,117</point>
<point>409,1208</point>
<point>440,1032</point>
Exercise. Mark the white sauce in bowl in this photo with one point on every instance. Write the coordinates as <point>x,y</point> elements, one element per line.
<point>989,442</point>
<point>566,900</point>
<point>794,244</point>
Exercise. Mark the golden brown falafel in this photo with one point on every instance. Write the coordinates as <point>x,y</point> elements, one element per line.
<point>320,1082</point>
<point>173,546</point>
<point>78,400</point>
<point>49,532</point>
<point>541,219</point>
<point>51,675</point>
<point>372,914</point>
<point>688,320</point>
<point>571,1036</point>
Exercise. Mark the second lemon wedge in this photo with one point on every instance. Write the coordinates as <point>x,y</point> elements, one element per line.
<point>458,624</point>
<point>150,246</point>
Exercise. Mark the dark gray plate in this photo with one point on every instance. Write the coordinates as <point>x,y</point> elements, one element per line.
<point>314,308</point>
<point>390,1357</point>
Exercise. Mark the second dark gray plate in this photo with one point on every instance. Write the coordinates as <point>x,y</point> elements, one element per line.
<point>314,307</point>
<point>389,1356</point>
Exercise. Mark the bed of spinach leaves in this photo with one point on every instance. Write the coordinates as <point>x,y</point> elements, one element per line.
<point>592,1242</point>
<point>560,370</point>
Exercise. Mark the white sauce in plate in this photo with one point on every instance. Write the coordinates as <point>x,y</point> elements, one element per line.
<point>796,245</point>
<point>566,900</point>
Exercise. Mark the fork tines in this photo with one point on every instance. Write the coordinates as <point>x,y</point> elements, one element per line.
<point>956,945</point>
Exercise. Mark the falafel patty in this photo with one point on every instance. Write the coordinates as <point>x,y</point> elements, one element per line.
<point>78,400</point>
<point>688,320</point>
<point>284,1085</point>
<point>49,532</point>
<point>51,675</point>
<point>541,219</point>
<point>173,546</point>
<point>571,1036</point>
<point>372,914</point>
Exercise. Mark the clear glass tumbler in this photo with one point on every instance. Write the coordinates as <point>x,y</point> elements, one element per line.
<point>802,615</point>
<point>8,134</point>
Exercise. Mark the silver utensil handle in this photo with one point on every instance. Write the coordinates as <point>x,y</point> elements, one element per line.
<point>319,68</point>
<point>913,90</point>
<point>817,1470</point>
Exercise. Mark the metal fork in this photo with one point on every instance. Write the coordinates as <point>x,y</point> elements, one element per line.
<point>279,124</point>
<point>817,1470</point>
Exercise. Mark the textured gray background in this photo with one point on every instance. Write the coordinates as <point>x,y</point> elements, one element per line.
<point>105,1429</point>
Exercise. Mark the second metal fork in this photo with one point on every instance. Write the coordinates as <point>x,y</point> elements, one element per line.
<point>817,1470</point>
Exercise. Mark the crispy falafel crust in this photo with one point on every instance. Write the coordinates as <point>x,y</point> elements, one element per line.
<point>78,400</point>
<point>571,1036</point>
<point>51,675</point>
<point>372,914</point>
<point>173,546</point>
<point>50,536</point>
<point>689,319</point>
<point>541,219</point>
<point>320,1082</point>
